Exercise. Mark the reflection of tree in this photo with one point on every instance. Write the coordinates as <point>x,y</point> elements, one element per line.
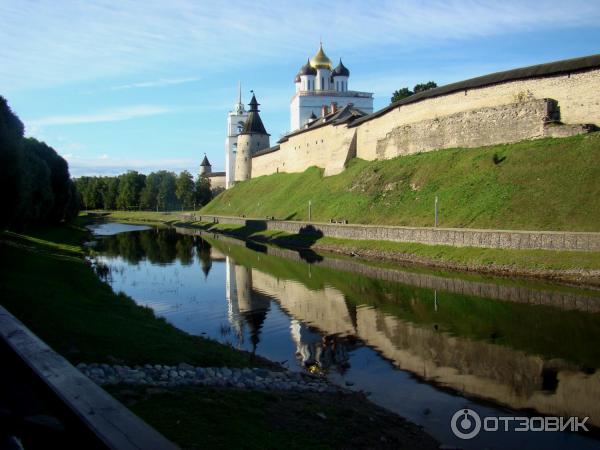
<point>159,246</point>
<point>185,250</point>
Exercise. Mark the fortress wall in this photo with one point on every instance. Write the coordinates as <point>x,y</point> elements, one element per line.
<point>501,113</point>
<point>475,128</point>
<point>578,97</point>
<point>267,164</point>
<point>328,147</point>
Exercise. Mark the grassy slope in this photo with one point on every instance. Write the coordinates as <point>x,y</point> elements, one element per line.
<point>547,184</point>
<point>46,284</point>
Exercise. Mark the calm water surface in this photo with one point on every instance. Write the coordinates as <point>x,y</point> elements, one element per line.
<point>424,344</point>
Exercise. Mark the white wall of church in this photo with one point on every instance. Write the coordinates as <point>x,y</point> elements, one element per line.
<point>302,106</point>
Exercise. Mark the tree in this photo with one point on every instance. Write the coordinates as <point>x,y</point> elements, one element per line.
<point>59,177</point>
<point>150,191</point>
<point>130,186</point>
<point>203,192</point>
<point>110,192</point>
<point>424,86</point>
<point>184,189</point>
<point>400,94</point>
<point>165,197</point>
<point>35,185</point>
<point>405,92</point>
<point>11,164</point>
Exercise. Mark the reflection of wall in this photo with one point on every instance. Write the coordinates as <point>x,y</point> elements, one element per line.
<point>504,375</point>
<point>325,309</point>
<point>478,368</point>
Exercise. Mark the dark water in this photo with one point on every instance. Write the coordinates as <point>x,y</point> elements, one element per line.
<point>424,344</point>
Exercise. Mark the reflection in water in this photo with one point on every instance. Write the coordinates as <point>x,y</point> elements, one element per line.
<point>520,345</point>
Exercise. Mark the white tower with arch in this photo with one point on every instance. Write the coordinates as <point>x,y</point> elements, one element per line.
<point>235,124</point>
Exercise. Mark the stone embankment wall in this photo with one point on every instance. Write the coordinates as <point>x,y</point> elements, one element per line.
<point>458,237</point>
<point>498,113</point>
<point>563,300</point>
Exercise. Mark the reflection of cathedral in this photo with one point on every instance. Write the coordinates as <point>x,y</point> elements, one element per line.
<point>247,311</point>
<point>317,352</point>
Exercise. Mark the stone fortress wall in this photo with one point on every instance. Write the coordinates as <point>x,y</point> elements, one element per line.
<point>556,99</point>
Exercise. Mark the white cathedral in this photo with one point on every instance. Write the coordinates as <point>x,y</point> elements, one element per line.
<point>318,86</point>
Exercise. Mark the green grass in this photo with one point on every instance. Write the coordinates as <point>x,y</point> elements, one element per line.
<point>45,282</point>
<point>546,184</point>
<point>143,217</point>
<point>200,418</point>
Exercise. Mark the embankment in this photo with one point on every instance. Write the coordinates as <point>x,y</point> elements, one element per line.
<point>546,184</point>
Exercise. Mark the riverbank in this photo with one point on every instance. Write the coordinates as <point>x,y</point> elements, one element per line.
<point>48,283</point>
<point>577,268</point>
<point>570,267</point>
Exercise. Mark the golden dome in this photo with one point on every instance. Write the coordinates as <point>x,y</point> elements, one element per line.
<point>320,60</point>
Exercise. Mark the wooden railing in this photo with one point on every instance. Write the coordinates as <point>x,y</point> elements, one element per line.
<point>103,421</point>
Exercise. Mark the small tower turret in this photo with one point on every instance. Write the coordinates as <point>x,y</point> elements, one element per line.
<point>205,167</point>
<point>253,138</point>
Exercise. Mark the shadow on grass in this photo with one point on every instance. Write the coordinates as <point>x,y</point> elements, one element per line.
<point>251,233</point>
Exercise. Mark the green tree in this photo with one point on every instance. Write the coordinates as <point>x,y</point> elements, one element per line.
<point>35,185</point>
<point>12,175</point>
<point>59,177</point>
<point>110,192</point>
<point>130,187</point>
<point>203,191</point>
<point>406,92</point>
<point>150,191</point>
<point>424,86</point>
<point>184,189</point>
<point>166,198</point>
<point>400,94</point>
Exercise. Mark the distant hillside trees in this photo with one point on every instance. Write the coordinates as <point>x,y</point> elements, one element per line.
<point>35,186</point>
<point>159,191</point>
<point>405,92</point>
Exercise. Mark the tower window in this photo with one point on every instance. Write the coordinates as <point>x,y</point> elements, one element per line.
<point>322,83</point>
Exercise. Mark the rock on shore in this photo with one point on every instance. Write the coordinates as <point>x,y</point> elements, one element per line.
<point>188,375</point>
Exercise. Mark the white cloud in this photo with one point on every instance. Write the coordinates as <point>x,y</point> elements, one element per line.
<point>112,115</point>
<point>49,43</point>
<point>107,165</point>
<point>156,83</point>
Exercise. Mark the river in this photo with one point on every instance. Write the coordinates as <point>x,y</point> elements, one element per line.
<point>422,343</point>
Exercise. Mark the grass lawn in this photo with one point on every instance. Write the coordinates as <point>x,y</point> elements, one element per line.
<point>47,284</point>
<point>545,184</point>
<point>198,418</point>
<point>144,217</point>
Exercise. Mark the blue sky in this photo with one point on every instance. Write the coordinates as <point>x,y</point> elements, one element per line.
<point>120,85</point>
